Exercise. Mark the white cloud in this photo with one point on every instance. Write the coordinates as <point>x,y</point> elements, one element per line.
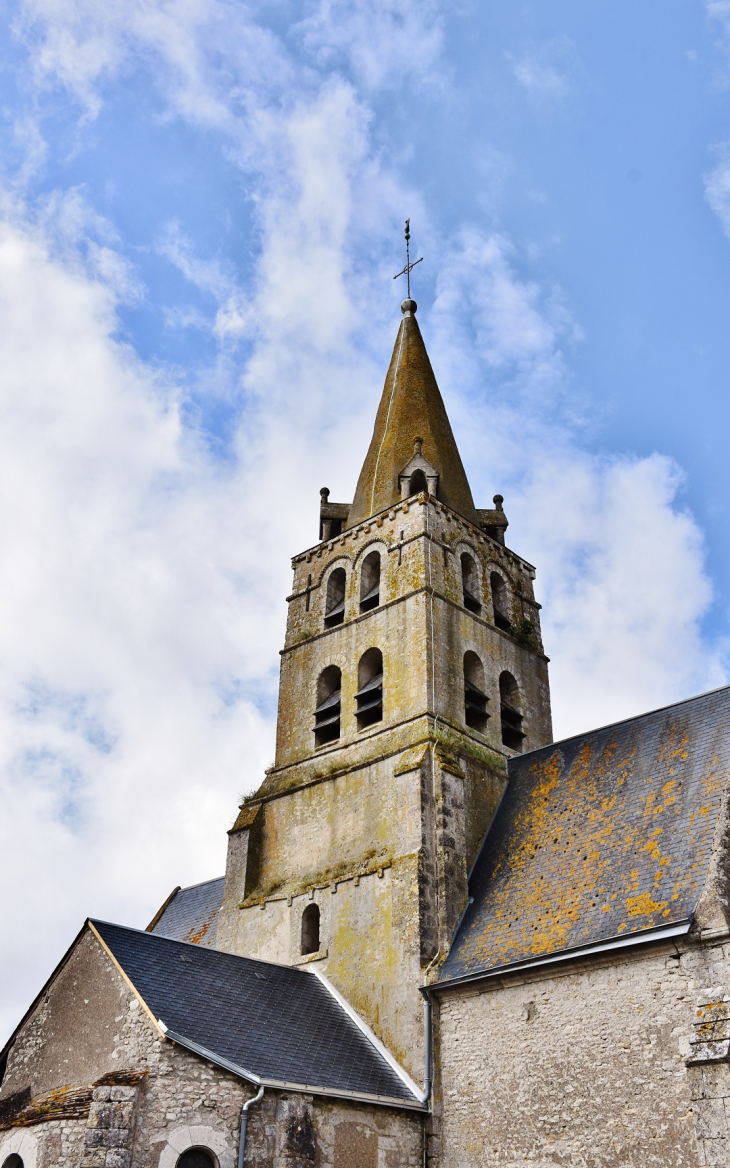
<point>717,187</point>
<point>546,72</point>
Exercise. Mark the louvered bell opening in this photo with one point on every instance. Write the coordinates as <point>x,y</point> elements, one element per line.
<point>327,719</point>
<point>371,599</point>
<point>502,622</point>
<point>471,602</point>
<point>370,702</point>
<point>475,707</point>
<point>512,732</point>
<point>335,615</point>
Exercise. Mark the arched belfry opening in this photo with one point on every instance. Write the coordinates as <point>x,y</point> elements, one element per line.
<point>310,942</point>
<point>328,707</point>
<point>470,583</point>
<point>475,699</point>
<point>334,608</point>
<point>369,694</point>
<point>370,582</point>
<point>500,602</point>
<point>510,705</point>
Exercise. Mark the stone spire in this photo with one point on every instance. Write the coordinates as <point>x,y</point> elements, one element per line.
<point>411,408</point>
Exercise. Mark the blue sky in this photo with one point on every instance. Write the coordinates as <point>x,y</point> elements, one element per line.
<point>201,211</point>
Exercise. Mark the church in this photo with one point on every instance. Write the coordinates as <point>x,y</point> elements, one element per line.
<point>442,939</point>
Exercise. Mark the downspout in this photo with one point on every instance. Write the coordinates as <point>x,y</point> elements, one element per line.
<point>427,1075</point>
<point>427,1043</point>
<point>244,1124</point>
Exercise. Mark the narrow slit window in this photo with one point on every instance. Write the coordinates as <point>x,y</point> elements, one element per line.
<point>334,609</point>
<point>327,710</point>
<point>475,699</point>
<point>500,602</point>
<point>13,1161</point>
<point>470,583</point>
<point>370,582</point>
<point>369,696</point>
<point>310,930</point>
<point>510,712</point>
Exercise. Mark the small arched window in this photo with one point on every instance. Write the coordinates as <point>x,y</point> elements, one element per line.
<point>13,1161</point>
<point>370,582</point>
<point>510,712</point>
<point>197,1158</point>
<point>470,583</point>
<point>334,609</point>
<point>418,482</point>
<point>327,710</point>
<point>475,699</point>
<point>500,602</point>
<point>369,694</point>
<point>310,930</point>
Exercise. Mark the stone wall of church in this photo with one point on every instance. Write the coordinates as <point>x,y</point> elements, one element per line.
<point>586,1066</point>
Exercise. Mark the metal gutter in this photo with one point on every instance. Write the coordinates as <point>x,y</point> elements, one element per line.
<point>283,1085</point>
<point>658,933</point>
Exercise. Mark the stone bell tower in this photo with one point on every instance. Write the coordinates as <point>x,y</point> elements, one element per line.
<point>413,668</point>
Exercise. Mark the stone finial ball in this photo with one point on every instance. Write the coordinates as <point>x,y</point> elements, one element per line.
<point>408,306</point>
<point>325,493</point>
<point>498,500</point>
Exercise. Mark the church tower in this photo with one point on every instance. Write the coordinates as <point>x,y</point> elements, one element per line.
<point>412,670</point>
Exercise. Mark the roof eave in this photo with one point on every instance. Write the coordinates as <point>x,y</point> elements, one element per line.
<point>282,1085</point>
<point>645,936</point>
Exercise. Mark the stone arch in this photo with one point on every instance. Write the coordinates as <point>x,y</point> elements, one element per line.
<point>19,1142</point>
<point>334,596</point>
<point>182,1139</point>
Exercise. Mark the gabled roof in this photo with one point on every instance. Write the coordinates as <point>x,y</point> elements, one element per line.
<point>605,836</point>
<point>411,407</point>
<point>191,914</point>
<point>271,1024</point>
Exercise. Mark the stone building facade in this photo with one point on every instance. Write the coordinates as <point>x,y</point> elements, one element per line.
<point>441,938</point>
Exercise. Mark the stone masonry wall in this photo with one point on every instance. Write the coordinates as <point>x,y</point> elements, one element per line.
<point>585,1067</point>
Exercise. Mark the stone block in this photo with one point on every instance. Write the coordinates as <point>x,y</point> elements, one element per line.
<point>123,1094</point>
<point>118,1158</point>
<point>709,996</point>
<point>710,1119</point>
<point>94,1158</point>
<point>101,1094</point>
<point>100,1115</point>
<point>717,1153</point>
<point>708,1052</point>
<point>122,1114</point>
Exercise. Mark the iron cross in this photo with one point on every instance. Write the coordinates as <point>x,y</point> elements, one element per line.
<point>409,266</point>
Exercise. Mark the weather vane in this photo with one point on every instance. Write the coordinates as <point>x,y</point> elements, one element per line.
<point>409,266</point>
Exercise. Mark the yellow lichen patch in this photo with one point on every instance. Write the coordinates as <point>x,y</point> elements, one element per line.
<point>643,905</point>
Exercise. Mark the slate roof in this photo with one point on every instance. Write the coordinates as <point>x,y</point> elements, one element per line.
<point>600,836</point>
<point>276,1024</point>
<point>191,914</point>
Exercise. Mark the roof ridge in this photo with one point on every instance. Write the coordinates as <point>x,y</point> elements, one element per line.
<point>620,722</point>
